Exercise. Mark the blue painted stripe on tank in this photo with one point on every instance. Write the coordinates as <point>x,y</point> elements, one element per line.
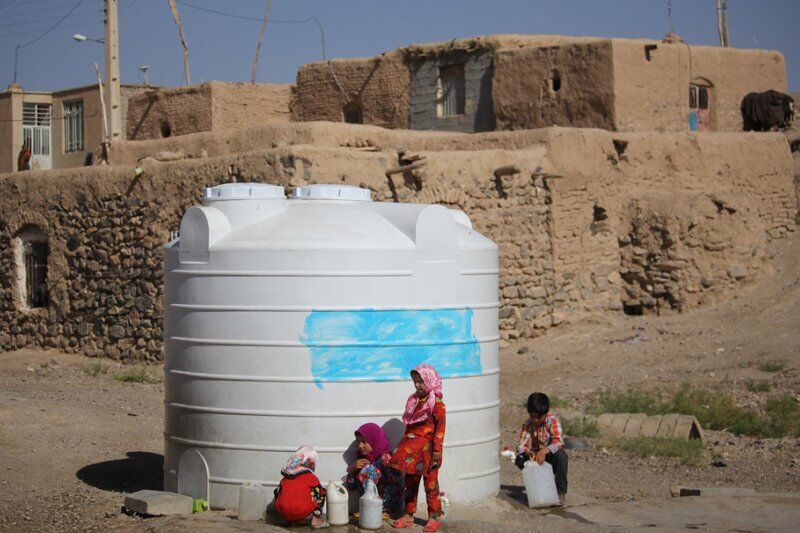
<point>388,344</point>
<point>316,414</point>
<point>332,344</point>
<point>299,379</point>
<point>288,449</point>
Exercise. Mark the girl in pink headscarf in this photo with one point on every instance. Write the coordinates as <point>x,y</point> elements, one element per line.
<point>373,463</point>
<point>419,454</point>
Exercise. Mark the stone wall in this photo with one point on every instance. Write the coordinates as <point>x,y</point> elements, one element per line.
<point>567,85</point>
<point>585,220</point>
<point>478,108</point>
<point>377,86</point>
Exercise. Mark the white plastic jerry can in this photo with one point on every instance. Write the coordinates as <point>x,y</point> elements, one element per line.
<point>540,484</point>
<point>371,508</point>
<point>337,501</point>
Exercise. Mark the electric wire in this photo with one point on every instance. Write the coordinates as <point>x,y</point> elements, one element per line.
<point>78,25</point>
<point>80,14</point>
<point>54,26</point>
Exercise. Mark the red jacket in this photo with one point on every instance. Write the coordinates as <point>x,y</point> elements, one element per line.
<point>295,500</point>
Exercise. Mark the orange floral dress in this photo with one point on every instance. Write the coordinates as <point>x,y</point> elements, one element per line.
<point>415,451</point>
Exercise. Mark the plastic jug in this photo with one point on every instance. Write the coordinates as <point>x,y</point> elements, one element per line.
<point>371,508</point>
<point>252,502</point>
<point>540,484</point>
<point>337,504</point>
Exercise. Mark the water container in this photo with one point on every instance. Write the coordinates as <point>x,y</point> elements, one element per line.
<point>370,507</point>
<point>252,502</point>
<point>540,484</point>
<point>337,502</point>
<point>295,319</point>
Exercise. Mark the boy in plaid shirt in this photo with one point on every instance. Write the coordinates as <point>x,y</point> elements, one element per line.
<point>541,439</point>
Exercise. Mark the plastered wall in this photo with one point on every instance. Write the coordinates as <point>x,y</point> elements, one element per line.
<point>652,95</point>
<point>563,85</point>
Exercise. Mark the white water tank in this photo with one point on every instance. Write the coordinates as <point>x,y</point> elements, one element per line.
<point>292,322</point>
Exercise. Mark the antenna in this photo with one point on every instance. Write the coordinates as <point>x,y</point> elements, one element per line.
<point>144,68</point>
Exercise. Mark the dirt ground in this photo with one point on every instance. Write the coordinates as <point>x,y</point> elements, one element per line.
<point>71,443</point>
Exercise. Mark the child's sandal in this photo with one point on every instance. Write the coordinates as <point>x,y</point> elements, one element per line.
<point>402,523</point>
<point>432,525</point>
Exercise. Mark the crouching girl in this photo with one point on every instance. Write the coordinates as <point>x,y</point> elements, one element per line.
<point>300,496</point>
<point>373,463</point>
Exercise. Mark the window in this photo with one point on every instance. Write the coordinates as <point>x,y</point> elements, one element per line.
<point>31,258</point>
<point>73,126</point>
<point>352,113</point>
<point>450,94</point>
<point>555,81</point>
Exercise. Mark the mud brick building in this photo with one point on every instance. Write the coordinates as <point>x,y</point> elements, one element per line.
<point>511,82</point>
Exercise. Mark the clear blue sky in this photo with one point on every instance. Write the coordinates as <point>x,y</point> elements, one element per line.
<point>222,48</point>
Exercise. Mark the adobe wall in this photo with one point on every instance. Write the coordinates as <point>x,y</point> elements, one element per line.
<point>585,98</point>
<point>240,105</point>
<point>663,223</point>
<point>478,108</point>
<point>379,84</point>
<point>180,110</point>
<point>652,95</point>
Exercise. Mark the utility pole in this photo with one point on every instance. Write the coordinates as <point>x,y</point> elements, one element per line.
<point>260,38</point>
<point>177,17</point>
<point>112,69</point>
<point>722,22</point>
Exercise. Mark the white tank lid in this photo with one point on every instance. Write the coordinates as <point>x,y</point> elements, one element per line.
<point>322,191</point>
<point>243,191</point>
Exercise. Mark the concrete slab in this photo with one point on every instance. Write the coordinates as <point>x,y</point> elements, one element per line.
<point>158,503</point>
<point>721,512</point>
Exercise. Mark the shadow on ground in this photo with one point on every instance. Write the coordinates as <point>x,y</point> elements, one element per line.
<point>140,470</point>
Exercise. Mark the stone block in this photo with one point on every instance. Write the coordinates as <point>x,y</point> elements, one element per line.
<point>737,271</point>
<point>157,503</point>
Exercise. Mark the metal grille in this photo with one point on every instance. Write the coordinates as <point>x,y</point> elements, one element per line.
<point>36,274</point>
<point>73,126</point>
<point>35,114</point>
<point>451,83</point>
<point>37,138</point>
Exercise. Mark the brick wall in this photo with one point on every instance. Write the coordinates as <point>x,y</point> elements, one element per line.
<point>378,85</point>
<point>161,113</point>
<point>478,110</point>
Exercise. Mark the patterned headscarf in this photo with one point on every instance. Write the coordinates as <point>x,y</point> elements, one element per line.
<point>433,384</point>
<point>301,461</point>
<point>376,438</point>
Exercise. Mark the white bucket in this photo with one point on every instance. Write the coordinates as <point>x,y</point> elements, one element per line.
<point>540,484</point>
<point>337,504</point>
<point>252,502</point>
<point>371,508</point>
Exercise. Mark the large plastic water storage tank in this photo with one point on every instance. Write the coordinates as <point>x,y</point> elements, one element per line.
<point>294,321</point>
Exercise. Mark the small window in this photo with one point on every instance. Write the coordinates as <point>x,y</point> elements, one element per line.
<point>352,113</point>
<point>32,252</point>
<point>450,97</point>
<point>166,129</point>
<point>73,126</point>
<point>555,81</point>
<point>693,97</point>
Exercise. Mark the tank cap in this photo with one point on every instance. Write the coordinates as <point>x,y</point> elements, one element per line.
<point>243,191</point>
<point>322,191</point>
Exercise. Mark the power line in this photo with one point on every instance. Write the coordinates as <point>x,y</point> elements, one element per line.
<point>79,25</point>
<point>82,13</point>
<point>11,5</point>
<point>37,11</point>
<point>54,26</point>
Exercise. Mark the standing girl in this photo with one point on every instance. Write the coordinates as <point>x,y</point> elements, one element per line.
<point>300,495</point>
<point>419,454</point>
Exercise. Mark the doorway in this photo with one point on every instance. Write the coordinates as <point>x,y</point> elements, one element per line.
<point>36,134</point>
